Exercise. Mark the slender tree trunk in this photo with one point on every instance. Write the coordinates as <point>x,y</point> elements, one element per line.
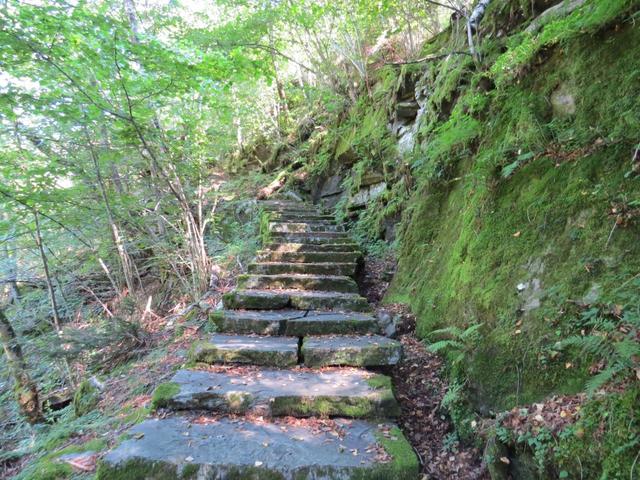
<point>47,273</point>
<point>25,390</point>
<point>12,273</point>
<point>125,259</point>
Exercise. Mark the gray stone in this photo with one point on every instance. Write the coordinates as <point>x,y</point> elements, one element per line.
<point>299,393</point>
<point>227,449</point>
<point>309,257</point>
<point>270,351</point>
<point>254,321</point>
<point>293,323</point>
<point>304,247</point>
<point>300,299</point>
<point>277,268</point>
<point>388,323</point>
<point>312,238</point>
<point>363,351</point>
<point>365,195</point>
<point>331,283</point>
<point>332,186</point>
<point>315,300</point>
<point>300,227</point>
<point>563,102</point>
<point>407,109</point>
<point>327,323</point>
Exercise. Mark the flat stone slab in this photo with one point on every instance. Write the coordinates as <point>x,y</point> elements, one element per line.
<point>297,299</point>
<point>304,247</point>
<point>308,257</point>
<point>277,268</point>
<point>327,323</point>
<point>254,321</point>
<point>225,449</point>
<point>271,351</point>
<point>268,392</point>
<point>359,351</point>
<point>293,323</point>
<point>301,226</point>
<point>310,237</point>
<point>331,283</point>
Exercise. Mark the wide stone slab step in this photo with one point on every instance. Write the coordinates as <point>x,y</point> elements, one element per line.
<point>308,257</point>
<point>268,351</point>
<point>358,351</point>
<point>311,237</point>
<point>300,227</point>
<point>277,268</point>
<point>297,299</point>
<point>227,449</point>
<point>302,217</point>
<point>274,393</point>
<point>330,283</point>
<point>305,247</point>
<point>295,323</point>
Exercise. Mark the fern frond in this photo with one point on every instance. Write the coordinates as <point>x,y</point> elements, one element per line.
<point>451,331</point>
<point>445,345</point>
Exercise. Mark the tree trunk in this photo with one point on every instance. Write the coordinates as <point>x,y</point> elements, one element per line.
<point>47,273</point>
<point>25,390</point>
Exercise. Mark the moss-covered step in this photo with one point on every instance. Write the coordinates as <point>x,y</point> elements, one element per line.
<point>286,204</point>
<point>305,237</point>
<point>297,299</point>
<point>302,226</point>
<point>310,238</point>
<point>256,300</point>
<point>331,323</point>
<point>268,351</point>
<point>308,257</point>
<point>277,268</point>
<point>305,247</point>
<point>331,283</point>
<point>254,321</point>
<point>269,392</point>
<point>358,351</point>
<point>176,448</point>
<point>293,323</point>
<point>305,216</point>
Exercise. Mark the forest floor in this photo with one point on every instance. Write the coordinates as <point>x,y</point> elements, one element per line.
<point>420,384</point>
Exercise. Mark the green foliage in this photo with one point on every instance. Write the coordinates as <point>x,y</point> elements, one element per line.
<point>458,344</point>
<point>85,399</point>
<point>611,338</point>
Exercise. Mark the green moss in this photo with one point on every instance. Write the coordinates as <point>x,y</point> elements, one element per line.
<point>138,469</point>
<point>85,399</point>
<point>605,441</point>
<point>380,382</point>
<point>404,464</point>
<point>163,394</point>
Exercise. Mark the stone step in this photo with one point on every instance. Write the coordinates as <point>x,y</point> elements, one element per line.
<point>182,447</point>
<point>357,351</point>
<point>330,283</point>
<point>295,323</point>
<point>278,268</point>
<point>302,217</point>
<point>305,247</point>
<point>308,257</point>
<point>278,204</point>
<point>297,299</point>
<point>300,227</point>
<point>310,237</point>
<point>276,393</point>
<point>268,351</point>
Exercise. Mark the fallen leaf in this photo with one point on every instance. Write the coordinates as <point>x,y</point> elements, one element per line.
<point>517,234</point>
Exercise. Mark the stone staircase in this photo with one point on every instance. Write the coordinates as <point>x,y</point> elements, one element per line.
<point>282,391</point>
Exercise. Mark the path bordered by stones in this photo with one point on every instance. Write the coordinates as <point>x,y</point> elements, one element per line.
<point>285,390</point>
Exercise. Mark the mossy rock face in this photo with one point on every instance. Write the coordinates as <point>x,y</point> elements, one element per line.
<point>86,398</point>
<point>163,394</point>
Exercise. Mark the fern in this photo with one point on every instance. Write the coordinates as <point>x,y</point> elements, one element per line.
<point>612,339</point>
<point>457,343</point>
